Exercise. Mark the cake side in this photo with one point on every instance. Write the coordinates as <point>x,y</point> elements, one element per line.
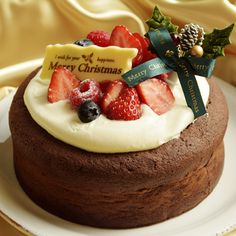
<point>128,209</point>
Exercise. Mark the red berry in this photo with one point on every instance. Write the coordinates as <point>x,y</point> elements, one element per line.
<point>112,92</point>
<point>99,38</point>
<point>61,84</point>
<point>121,37</point>
<point>147,55</point>
<point>175,38</point>
<point>87,90</point>
<point>126,106</point>
<point>156,94</point>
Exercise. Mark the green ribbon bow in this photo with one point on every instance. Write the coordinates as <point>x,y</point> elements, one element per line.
<point>168,60</point>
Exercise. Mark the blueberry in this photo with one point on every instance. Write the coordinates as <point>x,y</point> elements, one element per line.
<point>88,111</point>
<point>83,42</point>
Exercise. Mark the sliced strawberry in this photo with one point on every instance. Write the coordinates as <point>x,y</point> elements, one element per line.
<point>126,106</point>
<point>147,55</point>
<point>99,37</point>
<point>121,37</point>
<point>156,94</point>
<point>61,84</point>
<point>104,85</point>
<point>112,92</point>
<point>163,76</point>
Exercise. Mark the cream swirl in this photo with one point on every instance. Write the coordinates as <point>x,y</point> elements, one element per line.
<point>111,136</point>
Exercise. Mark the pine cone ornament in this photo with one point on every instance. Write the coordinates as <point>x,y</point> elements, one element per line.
<point>191,35</point>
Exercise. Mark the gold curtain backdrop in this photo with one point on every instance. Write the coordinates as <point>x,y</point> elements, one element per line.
<point>27,26</point>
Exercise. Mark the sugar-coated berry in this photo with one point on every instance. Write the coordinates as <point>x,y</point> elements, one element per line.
<point>83,42</point>
<point>87,90</point>
<point>88,111</point>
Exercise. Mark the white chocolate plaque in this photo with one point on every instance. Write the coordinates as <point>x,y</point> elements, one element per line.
<point>92,62</point>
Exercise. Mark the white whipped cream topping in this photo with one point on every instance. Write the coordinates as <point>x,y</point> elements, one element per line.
<point>111,136</point>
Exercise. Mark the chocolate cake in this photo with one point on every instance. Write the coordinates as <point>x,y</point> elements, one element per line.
<point>122,130</point>
<point>119,190</point>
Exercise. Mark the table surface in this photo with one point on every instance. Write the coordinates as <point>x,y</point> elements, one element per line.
<point>7,230</point>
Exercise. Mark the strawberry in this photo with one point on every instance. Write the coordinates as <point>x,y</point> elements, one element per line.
<point>126,106</point>
<point>104,85</point>
<point>87,90</point>
<point>156,94</point>
<point>112,92</point>
<point>99,38</point>
<point>121,37</point>
<point>147,55</point>
<point>163,76</point>
<point>61,84</point>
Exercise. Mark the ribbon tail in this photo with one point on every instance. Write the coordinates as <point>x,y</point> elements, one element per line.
<point>191,91</point>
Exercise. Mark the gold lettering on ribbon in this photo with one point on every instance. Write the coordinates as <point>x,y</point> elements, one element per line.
<point>190,87</point>
<point>141,73</point>
<point>184,68</point>
<point>192,94</point>
<point>157,66</point>
<point>200,67</point>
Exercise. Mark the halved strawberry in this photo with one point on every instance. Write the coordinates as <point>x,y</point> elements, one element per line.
<point>163,76</point>
<point>156,94</point>
<point>121,37</point>
<point>147,55</point>
<point>61,84</point>
<point>126,106</point>
<point>104,85</point>
<point>112,92</point>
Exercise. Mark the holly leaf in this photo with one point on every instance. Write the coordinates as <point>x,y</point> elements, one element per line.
<point>158,20</point>
<point>214,42</point>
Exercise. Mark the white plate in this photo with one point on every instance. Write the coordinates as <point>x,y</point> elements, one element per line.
<point>214,216</point>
